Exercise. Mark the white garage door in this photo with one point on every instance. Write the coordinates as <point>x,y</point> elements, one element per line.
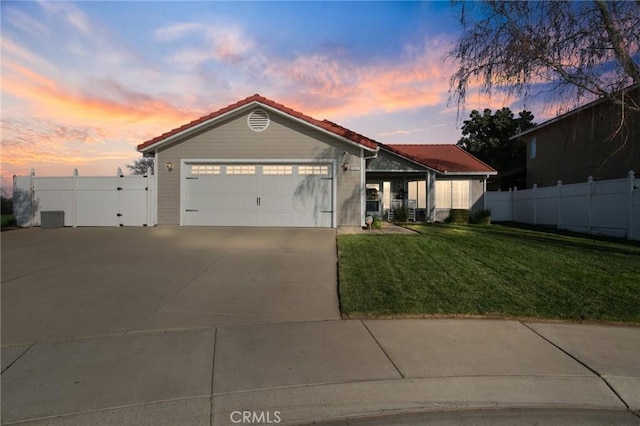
<point>258,195</point>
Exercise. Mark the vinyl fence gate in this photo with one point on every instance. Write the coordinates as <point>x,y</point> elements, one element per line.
<point>86,201</point>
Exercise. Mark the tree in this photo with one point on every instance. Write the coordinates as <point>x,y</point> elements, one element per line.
<point>487,136</point>
<point>574,51</point>
<point>140,166</point>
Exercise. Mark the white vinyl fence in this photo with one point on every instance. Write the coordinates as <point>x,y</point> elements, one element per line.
<point>610,207</point>
<point>86,201</point>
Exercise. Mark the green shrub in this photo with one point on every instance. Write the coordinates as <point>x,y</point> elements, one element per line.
<point>377,223</point>
<point>8,221</point>
<point>481,217</point>
<point>458,216</point>
<point>7,205</point>
<point>400,214</point>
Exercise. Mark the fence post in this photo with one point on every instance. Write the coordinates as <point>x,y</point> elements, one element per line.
<point>535,188</point>
<point>515,204</point>
<point>149,197</point>
<point>32,194</point>
<point>589,203</point>
<point>631,177</point>
<point>511,205</point>
<point>559,204</point>
<point>119,185</point>
<point>75,198</point>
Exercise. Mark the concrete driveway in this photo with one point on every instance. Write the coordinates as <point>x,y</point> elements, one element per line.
<point>198,326</point>
<point>68,283</point>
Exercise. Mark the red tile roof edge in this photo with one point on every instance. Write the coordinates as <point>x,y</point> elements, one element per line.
<point>324,124</point>
<point>393,148</point>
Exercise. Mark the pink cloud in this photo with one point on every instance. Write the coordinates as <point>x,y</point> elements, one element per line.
<point>325,86</point>
<point>55,101</point>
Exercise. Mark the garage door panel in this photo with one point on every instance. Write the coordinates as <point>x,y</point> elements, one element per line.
<point>243,185</point>
<point>277,218</point>
<point>217,217</point>
<point>236,218</point>
<point>323,220</point>
<point>285,199</point>
<point>203,201</point>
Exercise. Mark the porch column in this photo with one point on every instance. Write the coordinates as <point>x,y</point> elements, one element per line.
<point>405,191</point>
<point>431,196</point>
<point>427,204</point>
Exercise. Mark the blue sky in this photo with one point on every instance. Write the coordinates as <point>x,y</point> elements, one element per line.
<point>83,83</point>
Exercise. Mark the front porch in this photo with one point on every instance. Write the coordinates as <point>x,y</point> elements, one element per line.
<point>386,192</point>
<point>429,180</point>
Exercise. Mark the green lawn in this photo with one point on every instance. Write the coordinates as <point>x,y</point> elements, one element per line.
<point>489,270</point>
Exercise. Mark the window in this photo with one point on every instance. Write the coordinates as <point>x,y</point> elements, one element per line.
<point>386,195</point>
<point>277,170</point>
<point>313,170</point>
<point>533,148</point>
<point>418,192</point>
<point>241,170</point>
<point>443,194</point>
<point>460,194</point>
<point>373,197</point>
<point>452,194</point>
<point>205,170</point>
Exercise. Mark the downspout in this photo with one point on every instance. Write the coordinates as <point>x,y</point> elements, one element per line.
<point>484,192</point>
<point>363,181</point>
<point>156,178</point>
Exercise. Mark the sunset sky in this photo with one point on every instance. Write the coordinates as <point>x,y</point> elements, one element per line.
<point>84,83</point>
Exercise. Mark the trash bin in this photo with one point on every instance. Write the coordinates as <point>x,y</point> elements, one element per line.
<point>52,219</point>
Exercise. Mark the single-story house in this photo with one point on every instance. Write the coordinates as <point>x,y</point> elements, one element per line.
<point>599,139</point>
<point>259,163</point>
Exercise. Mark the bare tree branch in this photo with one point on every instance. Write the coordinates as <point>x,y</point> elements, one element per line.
<point>579,51</point>
<point>622,52</point>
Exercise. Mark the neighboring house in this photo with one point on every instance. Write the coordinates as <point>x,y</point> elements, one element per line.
<point>259,163</point>
<point>588,141</point>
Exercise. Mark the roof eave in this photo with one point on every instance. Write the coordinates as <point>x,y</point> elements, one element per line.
<point>195,128</point>
<point>239,110</point>
<point>320,129</point>
<point>567,114</point>
<point>487,173</point>
<point>443,172</point>
<point>404,157</point>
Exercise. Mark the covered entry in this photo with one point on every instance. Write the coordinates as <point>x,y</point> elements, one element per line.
<point>257,194</point>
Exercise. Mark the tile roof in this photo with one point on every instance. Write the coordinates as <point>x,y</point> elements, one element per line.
<point>445,158</point>
<point>323,124</point>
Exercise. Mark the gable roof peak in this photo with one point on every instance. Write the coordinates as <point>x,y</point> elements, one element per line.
<point>325,125</point>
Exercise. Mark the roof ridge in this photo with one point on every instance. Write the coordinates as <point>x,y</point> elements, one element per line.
<point>326,125</point>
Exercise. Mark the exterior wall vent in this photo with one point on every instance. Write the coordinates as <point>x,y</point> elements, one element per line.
<point>258,120</point>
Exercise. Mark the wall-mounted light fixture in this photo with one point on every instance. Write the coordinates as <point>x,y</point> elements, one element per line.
<point>169,165</point>
<point>345,161</point>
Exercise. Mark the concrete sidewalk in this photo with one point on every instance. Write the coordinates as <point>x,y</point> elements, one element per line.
<point>300,372</point>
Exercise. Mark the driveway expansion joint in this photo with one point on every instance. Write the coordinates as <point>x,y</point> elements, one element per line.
<point>16,360</point>
<point>383,350</point>
<point>585,365</point>
<point>213,361</point>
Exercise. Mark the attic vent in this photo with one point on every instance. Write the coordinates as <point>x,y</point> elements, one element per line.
<point>258,120</point>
